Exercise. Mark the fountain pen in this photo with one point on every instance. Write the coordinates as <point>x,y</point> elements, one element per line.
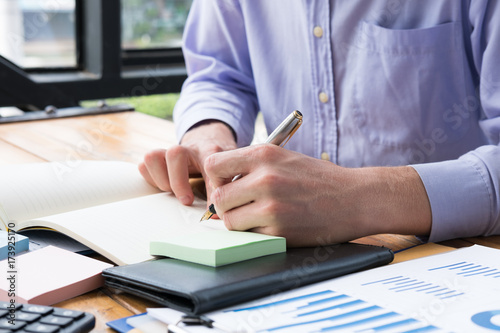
<point>278,137</point>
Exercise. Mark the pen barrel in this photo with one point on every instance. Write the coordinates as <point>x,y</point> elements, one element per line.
<point>286,129</point>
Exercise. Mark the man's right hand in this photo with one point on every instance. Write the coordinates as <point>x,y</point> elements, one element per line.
<point>170,169</point>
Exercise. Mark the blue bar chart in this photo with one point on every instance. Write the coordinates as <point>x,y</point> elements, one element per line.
<point>329,311</point>
<point>401,284</point>
<point>466,269</point>
<point>456,291</point>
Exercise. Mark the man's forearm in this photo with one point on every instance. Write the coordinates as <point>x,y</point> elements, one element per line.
<point>393,200</point>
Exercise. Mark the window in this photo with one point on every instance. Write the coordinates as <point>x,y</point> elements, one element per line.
<point>38,33</point>
<point>61,52</point>
<point>149,24</point>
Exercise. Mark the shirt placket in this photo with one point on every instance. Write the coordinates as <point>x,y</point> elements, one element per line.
<point>323,85</point>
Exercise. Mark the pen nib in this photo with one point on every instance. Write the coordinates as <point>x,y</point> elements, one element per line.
<point>208,214</point>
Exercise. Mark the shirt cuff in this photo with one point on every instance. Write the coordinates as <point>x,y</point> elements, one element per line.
<point>206,102</point>
<point>243,134</point>
<point>459,196</point>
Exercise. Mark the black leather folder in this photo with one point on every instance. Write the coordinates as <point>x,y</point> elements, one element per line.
<point>196,289</point>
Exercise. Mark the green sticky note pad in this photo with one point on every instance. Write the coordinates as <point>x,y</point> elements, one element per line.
<point>217,248</point>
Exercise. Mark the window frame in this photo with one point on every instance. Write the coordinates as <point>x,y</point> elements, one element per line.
<point>104,69</point>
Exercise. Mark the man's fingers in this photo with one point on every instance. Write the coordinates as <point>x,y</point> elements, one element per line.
<point>145,174</point>
<point>154,169</point>
<point>232,195</point>
<point>246,217</point>
<point>178,162</point>
<point>223,167</point>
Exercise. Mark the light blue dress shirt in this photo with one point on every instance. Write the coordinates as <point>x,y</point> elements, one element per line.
<point>380,83</point>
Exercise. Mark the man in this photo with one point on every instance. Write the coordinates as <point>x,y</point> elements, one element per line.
<point>401,105</point>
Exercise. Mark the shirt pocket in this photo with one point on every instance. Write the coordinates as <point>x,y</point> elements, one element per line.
<point>408,84</point>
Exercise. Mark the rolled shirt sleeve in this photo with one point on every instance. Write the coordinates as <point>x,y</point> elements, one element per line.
<point>465,193</point>
<point>220,84</point>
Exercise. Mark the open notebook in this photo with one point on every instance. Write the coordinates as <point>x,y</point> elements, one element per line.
<point>105,205</point>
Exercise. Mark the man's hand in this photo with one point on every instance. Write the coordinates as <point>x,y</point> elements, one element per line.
<point>310,201</point>
<point>170,169</point>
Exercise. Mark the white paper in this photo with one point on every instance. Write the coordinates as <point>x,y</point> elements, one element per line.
<point>458,291</point>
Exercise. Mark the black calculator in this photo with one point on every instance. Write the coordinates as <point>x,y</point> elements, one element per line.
<point>43,319</point>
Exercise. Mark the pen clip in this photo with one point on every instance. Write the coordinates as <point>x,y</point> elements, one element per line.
<point>190,320</point>
<point>284,132</point>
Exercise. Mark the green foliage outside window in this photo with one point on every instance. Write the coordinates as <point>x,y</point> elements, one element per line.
<point>160,106</point>
<point>153,23</point>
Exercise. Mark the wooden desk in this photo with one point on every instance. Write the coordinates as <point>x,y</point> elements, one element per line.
<point>123,136</point>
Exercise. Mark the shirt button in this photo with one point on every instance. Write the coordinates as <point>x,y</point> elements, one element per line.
<point>323,97</point>
<point>325,156</point>
<point>318,31</point>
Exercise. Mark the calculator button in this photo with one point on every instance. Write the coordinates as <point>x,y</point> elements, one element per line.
<point>67,313</point>
<point>59,321</point>
<point>28,317</point>
<point>8,306</point>
<point>41,328</point>
<point>40,309</point>
<point>4,324</point>
<point>45,319</point>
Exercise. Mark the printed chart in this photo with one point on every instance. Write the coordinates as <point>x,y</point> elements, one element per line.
<point>327,310</point>
<point>457,291</point>
<point>399,284</point>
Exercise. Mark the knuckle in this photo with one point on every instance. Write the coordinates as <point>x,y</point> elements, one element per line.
<point>266,151</point>
<point>210,164</point>
<point>213,148</point>
<point>174,152</point>
<point>268,181</point>
<point>209,161</point>
<point>150,157</point>
<point>218,197</point>
<point>272,209</point>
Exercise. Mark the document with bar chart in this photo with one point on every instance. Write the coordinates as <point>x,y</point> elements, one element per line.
<point>458,291</point>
